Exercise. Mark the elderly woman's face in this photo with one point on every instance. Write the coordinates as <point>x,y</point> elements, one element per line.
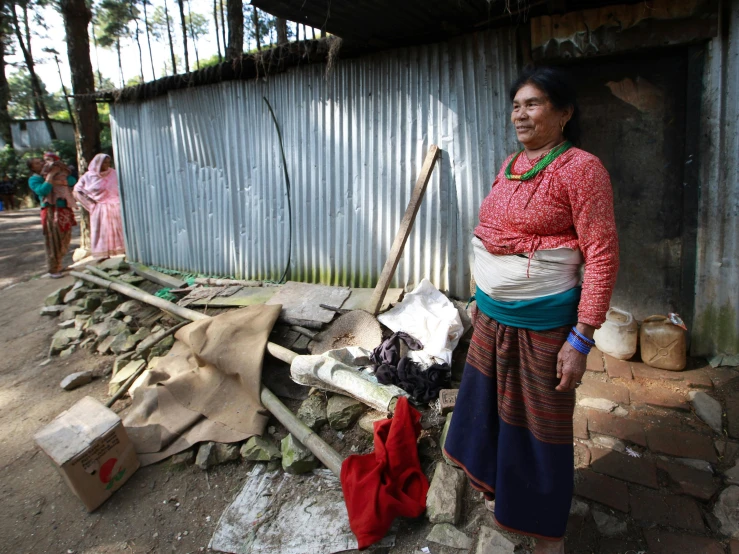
<point>538,123</point>
<point>106,165</point>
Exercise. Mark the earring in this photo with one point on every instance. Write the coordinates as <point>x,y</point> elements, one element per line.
<point>563,127</point>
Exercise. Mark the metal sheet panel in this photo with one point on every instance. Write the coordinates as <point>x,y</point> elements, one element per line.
<point>204,188</point>
<point>717,284</point>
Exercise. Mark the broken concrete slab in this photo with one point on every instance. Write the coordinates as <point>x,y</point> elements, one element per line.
<point>66,324</point>
<point>296,458</point>
<point>104,346</point>
<point>367,421</point>
<point>608,525</point>
<point>76,380</point>
<point>62,339</point>
<point>70,312</point>
<point>312,411</point>
<point>732,475</point>
<point>447,400</point>
<point>162,347</point>
<point>57,297</point>
<point>448,535</point>
<point>259,449</point>
<point>109,303</point>
<point>708,409</point>
<point>206,457</point>
<point>82,322</point>
<point>301,302</point>
<point>444,498</point>
<point>226,453</point>
<point>116,263</point>
<point>66,353</point>
<point>91,302</point>
<point>490,541</point>
<point>53,310</point>
<point>127,308</point>
<point>343,411</point>
<point>121,341</point>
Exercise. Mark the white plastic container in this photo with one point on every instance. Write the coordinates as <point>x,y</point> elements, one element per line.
<point>618,335</point>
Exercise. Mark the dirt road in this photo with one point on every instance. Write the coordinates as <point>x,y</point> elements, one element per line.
<point>159,509</point>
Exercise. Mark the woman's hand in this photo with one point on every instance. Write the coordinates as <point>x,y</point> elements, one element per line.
<point>570,367</point>
<point>473,314</point>
<point>571,364</point>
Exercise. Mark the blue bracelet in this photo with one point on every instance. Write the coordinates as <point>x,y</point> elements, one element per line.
<point>578,344</point>
<point>582,337</point>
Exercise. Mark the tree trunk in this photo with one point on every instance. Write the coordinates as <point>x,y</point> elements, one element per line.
<point>138,43</point>
<point>5,131</point>
<point>40,107</point>
<point>281,25</point>
<point>97,59</point>
<point>218,38</point>
<point>171,42</point>
<point>192,35</point>
<point>120,61</point>
<point>323,33</point>
<point>223,27</point>
<point>77,16</point>
<point>255,21</point>
<point>235,29</point>
<point>297,32</point>
<point>183,23</point>
<point>148,40</point>
<point>313,32</point>
<point>66,94</point>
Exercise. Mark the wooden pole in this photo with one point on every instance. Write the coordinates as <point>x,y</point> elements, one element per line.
<point>322,450</point>
<point>406,225</point>
<point>104,275</point>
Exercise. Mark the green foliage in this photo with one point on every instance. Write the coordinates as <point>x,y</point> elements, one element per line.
<point>66,150</point>
<point>113,18</point>
<point>197,25</point>
<point>21,96</point>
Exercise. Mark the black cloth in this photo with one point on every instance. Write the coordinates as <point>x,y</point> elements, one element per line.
<point>390,369</point>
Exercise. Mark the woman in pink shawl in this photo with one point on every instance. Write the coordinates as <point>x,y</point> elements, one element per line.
<point>97,191</point>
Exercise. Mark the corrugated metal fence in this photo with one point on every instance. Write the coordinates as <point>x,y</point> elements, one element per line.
<point>716,326</point>
<point>202,173</point>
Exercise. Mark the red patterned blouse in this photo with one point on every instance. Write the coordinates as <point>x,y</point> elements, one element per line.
<point>567,205</point>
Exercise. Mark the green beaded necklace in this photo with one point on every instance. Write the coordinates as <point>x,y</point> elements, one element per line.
<point>540,165</point>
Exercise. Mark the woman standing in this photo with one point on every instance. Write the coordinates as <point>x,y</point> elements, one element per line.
<point>53,185</point>
<point>97,191</point>
<point>550,211</point>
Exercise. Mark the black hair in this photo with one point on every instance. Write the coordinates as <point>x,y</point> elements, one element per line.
<point>558,87</point>
<point>29,162</point>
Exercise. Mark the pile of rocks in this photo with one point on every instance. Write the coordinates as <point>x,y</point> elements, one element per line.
<point>102,321</point>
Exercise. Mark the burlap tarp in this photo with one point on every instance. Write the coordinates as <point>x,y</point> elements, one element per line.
<point>207,388</point>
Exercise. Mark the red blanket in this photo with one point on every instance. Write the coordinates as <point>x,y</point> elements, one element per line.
<point>387,483</point>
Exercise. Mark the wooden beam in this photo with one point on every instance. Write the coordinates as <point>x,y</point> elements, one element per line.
<point>406,225</point>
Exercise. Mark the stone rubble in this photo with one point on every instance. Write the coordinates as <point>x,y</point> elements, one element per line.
<point>444,498</point>
<point>312,411</point>
<point>448,535</point>
<point>296,458</point>
<point>490,541</point>
<point>259,449</point>
<point>343,411</point>
<point>76,380</point>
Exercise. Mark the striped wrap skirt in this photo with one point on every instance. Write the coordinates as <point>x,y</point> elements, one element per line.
<point>511,431</point>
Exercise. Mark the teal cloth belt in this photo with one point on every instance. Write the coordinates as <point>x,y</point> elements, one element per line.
<point>539,314</point>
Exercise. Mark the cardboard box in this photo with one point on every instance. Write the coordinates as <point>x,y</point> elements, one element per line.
<point>90,448</point>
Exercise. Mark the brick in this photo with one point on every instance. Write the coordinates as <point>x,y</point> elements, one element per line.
<point>447,400</point>
<point>641,471</point>
<point>614,426</point>
<point>582,455</point>
<point>610,391</point>
<point>697,378</point>
<point>664,542</point>
<point>683,444</point>
<point>643,371</point>
<point>595,361</point>
<point>694,482</point>
<point>732,415</point>
<point>655,396</point>
<point>617,368</point>
<point>599,488</point>
<point>580,424</point>
<point>666,509</point>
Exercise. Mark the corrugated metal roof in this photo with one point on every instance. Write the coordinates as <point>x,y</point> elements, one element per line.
<point>202,177</point>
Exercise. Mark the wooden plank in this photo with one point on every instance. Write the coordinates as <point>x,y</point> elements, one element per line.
<point>157,277</point>
<point>406,225</point>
